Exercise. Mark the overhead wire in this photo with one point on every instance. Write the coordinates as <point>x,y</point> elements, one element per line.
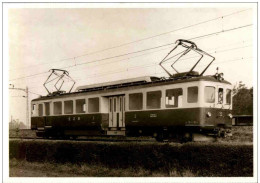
<point>149,65</point>
<point>34,93</point>
<point>222,62</point>
<point>185,27</point>
<point>219,51</point>
<point>163,50</point>
<point>157,35</point>
<point>100,60</point>
<point>215,51</point>
<point>30,92</point>
<point>108,73</point>
<point>129,58</point>
<point>206,35</point>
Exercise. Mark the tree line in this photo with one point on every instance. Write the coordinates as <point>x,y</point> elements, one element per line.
<point>242,100</point>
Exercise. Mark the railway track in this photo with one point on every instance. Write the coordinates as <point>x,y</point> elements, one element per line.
<point>113,139</point>
<point>85,139</point>
<point>153,141</point>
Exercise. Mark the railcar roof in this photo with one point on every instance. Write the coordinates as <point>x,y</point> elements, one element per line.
<point>123,81</point>
<point>151,83</point>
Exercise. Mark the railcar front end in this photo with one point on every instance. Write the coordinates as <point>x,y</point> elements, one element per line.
<point>203,106</point>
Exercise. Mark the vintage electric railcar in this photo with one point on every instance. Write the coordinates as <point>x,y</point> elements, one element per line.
<point>178,107</point>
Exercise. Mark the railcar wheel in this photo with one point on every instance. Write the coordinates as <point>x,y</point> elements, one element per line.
<point>162,136</point>
<point>158,136</point>
<point>222,133</point>
<point>46,136</point>
<point>66,137</point>
<point>187,137</point>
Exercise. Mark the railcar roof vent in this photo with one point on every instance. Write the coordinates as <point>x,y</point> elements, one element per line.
<point>186,46</point>
<point>186,74</point>
<point>59,76</point>
<point>118,83</point>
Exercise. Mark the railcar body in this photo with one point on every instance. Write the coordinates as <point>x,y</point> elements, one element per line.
<point>178,107</point>
<point>147,106</point>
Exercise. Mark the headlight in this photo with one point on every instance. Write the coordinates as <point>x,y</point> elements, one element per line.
<point>230,116</point>
<point>208,114</point>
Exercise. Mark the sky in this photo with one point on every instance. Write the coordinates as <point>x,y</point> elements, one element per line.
<point>43,39</point>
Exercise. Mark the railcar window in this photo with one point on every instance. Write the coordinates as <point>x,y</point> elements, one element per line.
<point>153,100</point>
<point>114,104</point>
<point>209,94</point>
<point>135,101</point>
<point>68,107</point>
<point>57,107</point>
<point>228,96</point>
<point>173,98</point>
<point>40,110</point>
<point>120,104</point>
<point>110,101</point>
<point>47,108</point>
<point>220,95</point>
<point>192,94</point>
<point>93,104</point>
<point>33,109</point>
<point>80,105</point>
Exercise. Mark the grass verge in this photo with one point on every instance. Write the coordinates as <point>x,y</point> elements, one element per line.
<point>200,159</point>
<point>46,169</point>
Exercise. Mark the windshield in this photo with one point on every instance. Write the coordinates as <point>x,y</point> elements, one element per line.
<point>228,97</point>
<point>220,95</point>
<point>209,94</point>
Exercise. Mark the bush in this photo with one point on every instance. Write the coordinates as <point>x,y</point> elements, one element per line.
<point>202,159</point>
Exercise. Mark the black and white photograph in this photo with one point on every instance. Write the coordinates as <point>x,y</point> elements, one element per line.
<point>130,92</point>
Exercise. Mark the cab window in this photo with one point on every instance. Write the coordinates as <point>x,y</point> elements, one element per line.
<point>40,110</point>
<point>47,108</point>
<point>192,94</point>
<point>34,112</point>
<point>173,98</point>
<point>220,96</point>
<point>228,96</point>
<point>209,94</point>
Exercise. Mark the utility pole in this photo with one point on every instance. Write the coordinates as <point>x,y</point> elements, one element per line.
<point>27,102</point>
<point>27,107</point>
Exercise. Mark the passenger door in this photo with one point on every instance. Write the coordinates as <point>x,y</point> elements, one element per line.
<point>116,112</point>
<point>110,108</point>
<point>121,111</point>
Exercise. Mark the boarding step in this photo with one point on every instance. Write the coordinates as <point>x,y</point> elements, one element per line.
<point>116,128</point>
<point>116,132</point>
